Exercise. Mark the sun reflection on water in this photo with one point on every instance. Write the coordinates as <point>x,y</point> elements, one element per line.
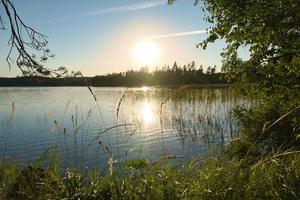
<point>147,112</point>
<point>144,88</point>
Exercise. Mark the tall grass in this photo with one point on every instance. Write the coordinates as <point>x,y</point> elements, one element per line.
<point>215,178</point>
<point>206,173</point>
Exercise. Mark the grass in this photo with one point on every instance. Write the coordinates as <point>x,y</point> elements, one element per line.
<point>272,176</point>
<point>215,178</point>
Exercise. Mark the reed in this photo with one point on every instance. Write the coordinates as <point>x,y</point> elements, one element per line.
<point>214,178</point>
<point>197,118</point>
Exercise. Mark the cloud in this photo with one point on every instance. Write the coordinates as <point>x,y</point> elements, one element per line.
<point>127,8</point>
<point>178,34</point>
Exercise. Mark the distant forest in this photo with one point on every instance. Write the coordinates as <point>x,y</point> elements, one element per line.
<point>166,76</point>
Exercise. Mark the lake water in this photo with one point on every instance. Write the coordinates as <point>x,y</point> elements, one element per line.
<point>124,123</point>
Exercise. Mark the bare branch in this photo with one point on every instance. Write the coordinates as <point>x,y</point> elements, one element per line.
<point>24,40</point>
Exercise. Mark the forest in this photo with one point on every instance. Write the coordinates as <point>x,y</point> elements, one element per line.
<point>167,76</point>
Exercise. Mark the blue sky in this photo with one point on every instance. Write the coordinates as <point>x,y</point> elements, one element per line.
<point>98,36</point>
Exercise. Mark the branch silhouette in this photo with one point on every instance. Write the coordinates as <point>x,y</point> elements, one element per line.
<point>24,41</point>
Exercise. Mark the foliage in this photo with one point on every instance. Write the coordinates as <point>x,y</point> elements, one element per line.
<point>261,131</point>
<point>212,179</point>
<point>8,172</point>
<point>270,31</point>
<point>270,128</point>
<point>166,76</point>
<point>32,180</point>
<point>136,164</point>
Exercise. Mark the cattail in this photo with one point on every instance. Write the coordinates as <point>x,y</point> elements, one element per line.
<point>119,104</point>
<point>89,113</point>
<point>13,110</point>
<point>54,127</point>
<point>67,106</point>
<point>107,149</point>
<point>64,131</point>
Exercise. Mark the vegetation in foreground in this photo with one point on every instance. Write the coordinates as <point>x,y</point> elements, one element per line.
<point>217,178</point>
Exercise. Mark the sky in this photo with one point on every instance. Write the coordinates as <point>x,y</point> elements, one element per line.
<point>101,36</point>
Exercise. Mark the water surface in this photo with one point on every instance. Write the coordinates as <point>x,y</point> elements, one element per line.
<point>124,123</point>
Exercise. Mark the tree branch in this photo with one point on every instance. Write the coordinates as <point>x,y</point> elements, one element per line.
<point>24,40</point>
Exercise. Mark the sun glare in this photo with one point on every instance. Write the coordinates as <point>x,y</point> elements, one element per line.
<point>146,52</point>
<point>147,112</point>
<point>145,88</point>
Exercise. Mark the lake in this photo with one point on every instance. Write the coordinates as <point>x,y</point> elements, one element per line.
<point>124,123</point>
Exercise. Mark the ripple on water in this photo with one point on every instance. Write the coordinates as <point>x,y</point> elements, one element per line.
<point>159,122</point>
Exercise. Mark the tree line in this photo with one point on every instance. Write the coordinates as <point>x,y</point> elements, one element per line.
<point>174,75</point>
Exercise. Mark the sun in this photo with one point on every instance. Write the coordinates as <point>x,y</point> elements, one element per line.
<point>146,52</point>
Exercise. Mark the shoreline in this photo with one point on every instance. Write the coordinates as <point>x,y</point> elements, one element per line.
<point>188,86</point>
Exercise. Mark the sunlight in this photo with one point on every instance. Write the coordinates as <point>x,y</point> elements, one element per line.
<point>147,112</point>
<point>146,52</point>
<point>145,88</point>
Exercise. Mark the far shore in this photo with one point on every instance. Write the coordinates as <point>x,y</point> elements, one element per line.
<point>80,82</point>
